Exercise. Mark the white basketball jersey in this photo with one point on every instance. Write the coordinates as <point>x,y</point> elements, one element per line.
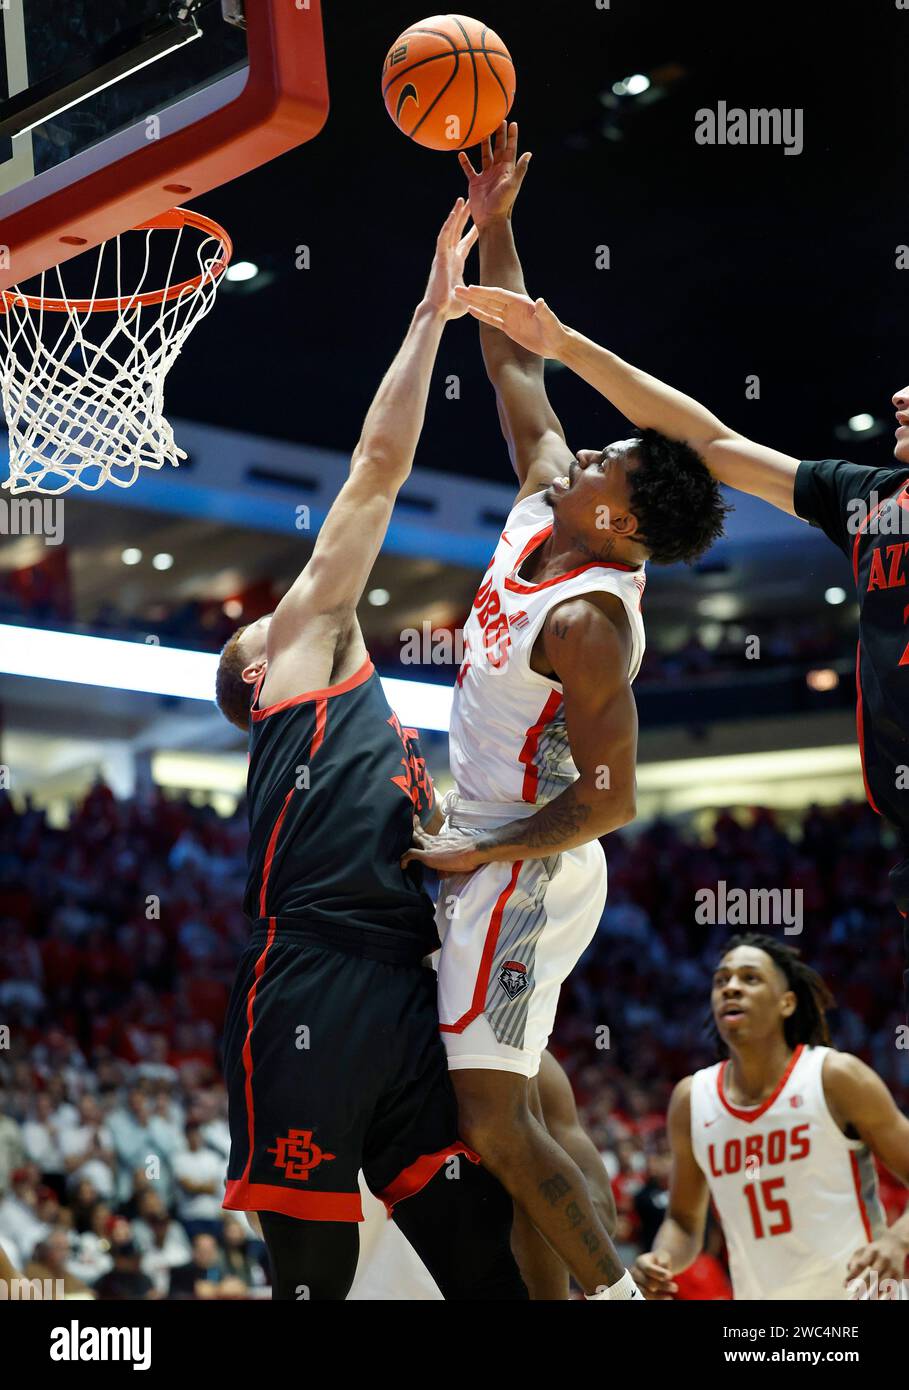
<point>507,739</point>
<point>795,1197</point>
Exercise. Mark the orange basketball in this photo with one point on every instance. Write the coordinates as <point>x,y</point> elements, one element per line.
<point>448,82</point>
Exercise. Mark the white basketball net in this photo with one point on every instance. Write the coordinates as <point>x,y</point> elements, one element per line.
<point>83,387</point>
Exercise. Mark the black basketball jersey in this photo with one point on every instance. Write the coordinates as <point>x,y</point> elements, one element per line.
<point>865,511</point>
<point>334,784</point>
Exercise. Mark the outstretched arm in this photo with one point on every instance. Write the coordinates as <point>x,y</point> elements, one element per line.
<point>642,399</point>
<point>330,587</point>
<point>536,441</point>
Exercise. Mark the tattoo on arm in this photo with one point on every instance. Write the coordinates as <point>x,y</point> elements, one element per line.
<point>552,824</point>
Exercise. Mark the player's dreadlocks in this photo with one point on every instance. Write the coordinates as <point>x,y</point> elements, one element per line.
<point>808,1022</point>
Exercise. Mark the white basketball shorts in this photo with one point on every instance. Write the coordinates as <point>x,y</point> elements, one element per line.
<point>511,933</point>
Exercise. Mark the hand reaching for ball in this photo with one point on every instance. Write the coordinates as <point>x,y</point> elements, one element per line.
<point>447,273</point>
<point>493,191</point>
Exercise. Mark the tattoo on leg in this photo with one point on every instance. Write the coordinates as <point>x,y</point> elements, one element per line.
<point>574,1214</point>
<point>554,1188</point>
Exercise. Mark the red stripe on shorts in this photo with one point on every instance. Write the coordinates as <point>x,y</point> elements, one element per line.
<point>489,949</point>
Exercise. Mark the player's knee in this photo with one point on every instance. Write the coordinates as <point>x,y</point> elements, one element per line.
<point>499,1137</point>
<point>311,1261</point>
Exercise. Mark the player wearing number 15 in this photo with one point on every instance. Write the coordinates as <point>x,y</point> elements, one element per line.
<point>782,1136</point>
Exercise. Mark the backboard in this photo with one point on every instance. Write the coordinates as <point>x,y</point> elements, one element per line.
<point>113,111</point>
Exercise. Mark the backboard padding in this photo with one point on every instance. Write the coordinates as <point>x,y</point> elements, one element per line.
<point>281,102</point>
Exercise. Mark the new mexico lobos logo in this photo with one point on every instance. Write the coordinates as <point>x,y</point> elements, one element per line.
<point>298,1155</point>
<point>513,978</point>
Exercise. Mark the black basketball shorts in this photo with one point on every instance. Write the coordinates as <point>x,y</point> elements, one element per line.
<point>333,1063</point>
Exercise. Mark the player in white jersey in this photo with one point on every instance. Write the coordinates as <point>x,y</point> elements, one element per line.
<point>543,746</point>
<point>782,1136</point>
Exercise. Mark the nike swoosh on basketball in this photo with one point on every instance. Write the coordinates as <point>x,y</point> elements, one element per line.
<point>409,91</point>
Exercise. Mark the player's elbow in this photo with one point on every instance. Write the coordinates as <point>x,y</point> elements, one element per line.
<point>383,463</point>
<point>616,813</point>
<point>625,812</point>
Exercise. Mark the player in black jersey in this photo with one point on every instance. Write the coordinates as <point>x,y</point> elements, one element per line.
<point>332,1054</point>
<point>865,511</point>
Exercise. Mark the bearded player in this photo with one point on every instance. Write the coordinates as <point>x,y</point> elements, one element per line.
<point>782,1137</point>
<point>543,743</point>
<point>332,1057</point>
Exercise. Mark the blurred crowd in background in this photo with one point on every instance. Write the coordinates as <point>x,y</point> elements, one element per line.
<point>118,940</point>
<point>41,596</point>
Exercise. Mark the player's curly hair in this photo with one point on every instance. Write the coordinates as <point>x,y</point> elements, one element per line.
<point>232,695</point>
<point>808,1022</point>
<point>677,501</point>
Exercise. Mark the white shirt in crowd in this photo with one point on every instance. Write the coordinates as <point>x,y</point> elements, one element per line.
<point>78,1141</point>
<point>203,1166</point>
<point>41,1139</point>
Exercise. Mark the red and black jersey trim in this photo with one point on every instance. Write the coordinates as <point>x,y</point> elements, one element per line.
<point>320,696</point>
<point>750,1115</point>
